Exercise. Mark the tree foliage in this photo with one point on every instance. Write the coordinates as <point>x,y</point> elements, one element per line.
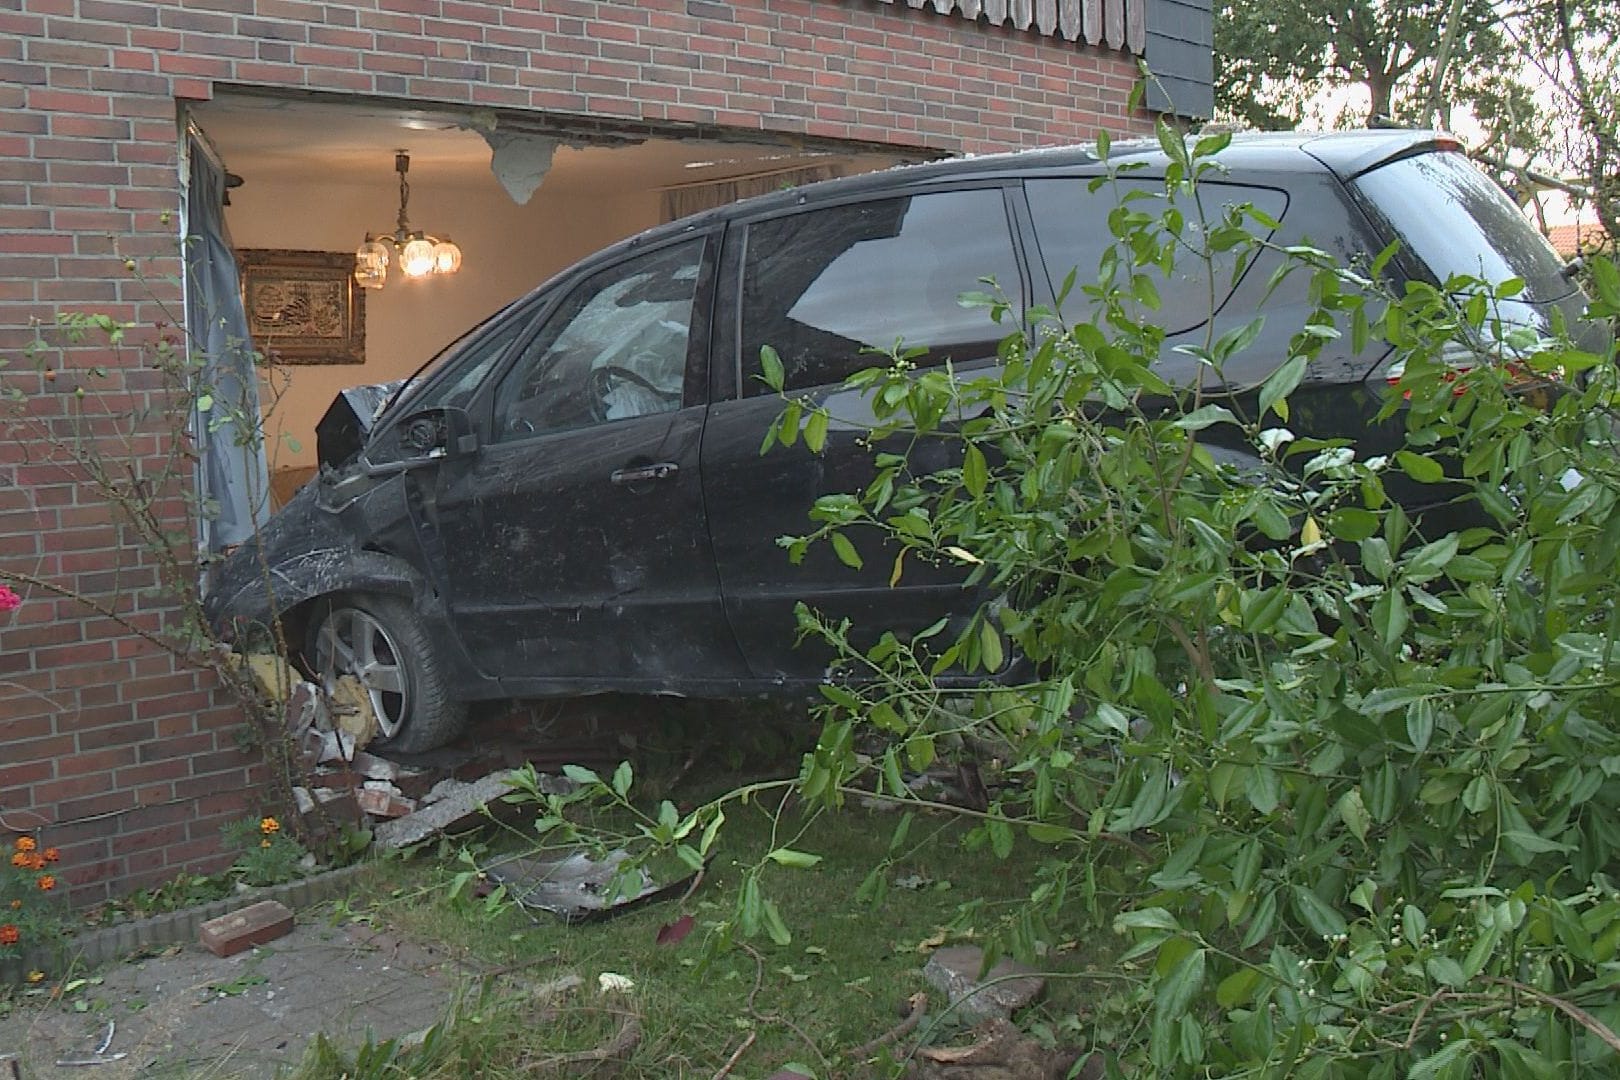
<point>1347,788</point>
<point>1273,56</point>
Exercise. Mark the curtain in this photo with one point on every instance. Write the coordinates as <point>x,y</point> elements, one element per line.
<point>692,198</point>
<point>233,477</point>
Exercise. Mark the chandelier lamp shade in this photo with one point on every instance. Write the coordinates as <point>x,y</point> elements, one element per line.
<point>417,253</point>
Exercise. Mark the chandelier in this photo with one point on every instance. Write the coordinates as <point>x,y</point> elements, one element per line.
<point>418,253</point>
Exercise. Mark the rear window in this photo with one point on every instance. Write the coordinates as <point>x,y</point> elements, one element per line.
<point>1459,222</point>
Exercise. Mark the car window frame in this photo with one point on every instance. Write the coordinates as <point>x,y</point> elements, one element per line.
<point>726,364</point>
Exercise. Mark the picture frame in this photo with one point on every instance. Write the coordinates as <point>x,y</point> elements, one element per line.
<point>303,307</point>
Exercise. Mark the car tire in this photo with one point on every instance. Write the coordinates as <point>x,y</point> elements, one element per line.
<point>382,641</point>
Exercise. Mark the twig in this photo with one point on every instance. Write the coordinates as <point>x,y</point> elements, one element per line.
<point>1569,1009</point>
<point>625,1040</point>
<point>736,1055</point>
<point>919,1005</point>
<point>778,1018</point>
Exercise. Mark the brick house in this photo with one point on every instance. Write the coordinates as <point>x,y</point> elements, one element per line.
<point>537,131</point>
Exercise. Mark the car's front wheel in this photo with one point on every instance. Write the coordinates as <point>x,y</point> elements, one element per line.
<point>382,644</point>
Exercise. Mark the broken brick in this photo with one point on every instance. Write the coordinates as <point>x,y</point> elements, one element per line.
<point>240,930</point>
<point>379,802</point>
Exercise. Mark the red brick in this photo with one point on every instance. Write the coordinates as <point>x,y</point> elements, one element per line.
<point>241,930</point>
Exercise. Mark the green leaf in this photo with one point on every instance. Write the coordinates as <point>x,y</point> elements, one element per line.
<point>775,928</point>
<point>990,653</point>
<point>1205,416</point>
<point>1353,523</point>
<point>621,779</point>
<point>1429,562</point>
<point>1424,470</point>
<point>1353,811</point>
<point>815,431</point>
<point>1001,837</point>
<point>1153,918</point>
<point>845,551</point>
<point>975,474</point>
<point>580,775</point>
<point>1238,988</point>
<point>800,860</point>
<point>1606,280</point>
<point>1177,989</point>
<point>1280,383</point>
<point>1316,914</point>
<point>771,368</point>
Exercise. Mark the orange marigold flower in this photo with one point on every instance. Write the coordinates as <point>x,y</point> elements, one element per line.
<point>19,858</point>
<point>9,934</point>
<point>265,842</point>
<point>269,825</point>
<point>36,976</point>
<point>47,883</point>
<point>36,861</point>
<point>16,905</point>
<point>26,843</point>
<point>52,855</point>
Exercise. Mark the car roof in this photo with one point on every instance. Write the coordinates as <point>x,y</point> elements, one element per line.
<point>1250,156</point>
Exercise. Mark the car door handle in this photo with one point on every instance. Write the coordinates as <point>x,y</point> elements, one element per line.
<point>642,473</point>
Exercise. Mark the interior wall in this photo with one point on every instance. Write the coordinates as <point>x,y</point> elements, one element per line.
<point>507,250</point>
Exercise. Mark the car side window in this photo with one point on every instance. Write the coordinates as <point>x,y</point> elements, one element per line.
<point>616,348</point>
<point>825,287</point>
<point>1071,226</point>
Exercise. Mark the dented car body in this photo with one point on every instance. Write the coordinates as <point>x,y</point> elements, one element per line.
<point>572,497</point>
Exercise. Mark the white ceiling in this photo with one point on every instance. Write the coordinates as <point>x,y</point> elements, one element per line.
<point>292,139</point>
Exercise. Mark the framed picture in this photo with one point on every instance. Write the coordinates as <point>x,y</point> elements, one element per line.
<point>303,307</point>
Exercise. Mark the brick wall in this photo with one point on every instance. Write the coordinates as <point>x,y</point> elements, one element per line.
<point>126,758</point>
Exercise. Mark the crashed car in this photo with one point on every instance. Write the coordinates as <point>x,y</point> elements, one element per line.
<point>571,498</point>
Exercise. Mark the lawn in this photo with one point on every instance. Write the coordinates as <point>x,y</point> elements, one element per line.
<point>843,980</point>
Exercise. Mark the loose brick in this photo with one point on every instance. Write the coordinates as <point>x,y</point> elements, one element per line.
<point>242,930</point>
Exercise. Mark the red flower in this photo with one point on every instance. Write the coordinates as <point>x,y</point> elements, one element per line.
<point>9,601</point>
<point>9,934</point>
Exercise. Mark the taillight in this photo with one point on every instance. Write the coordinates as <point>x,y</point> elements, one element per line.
<point>1457,359</point>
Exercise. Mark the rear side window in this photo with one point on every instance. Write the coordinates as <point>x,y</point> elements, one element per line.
<point>825,287</point>
<point>1455,218</point>
<point>1071,225</point>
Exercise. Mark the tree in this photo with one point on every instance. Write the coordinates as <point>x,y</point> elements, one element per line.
<point>1272,61</point>
<point>1570,45</point>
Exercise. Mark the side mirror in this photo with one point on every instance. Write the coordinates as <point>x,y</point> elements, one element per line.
<point>443,432</point>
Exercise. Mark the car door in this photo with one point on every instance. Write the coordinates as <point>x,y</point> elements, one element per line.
<point>575,541</point>
<point>824,286</point>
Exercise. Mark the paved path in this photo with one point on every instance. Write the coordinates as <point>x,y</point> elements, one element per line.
<point>188,1013</point>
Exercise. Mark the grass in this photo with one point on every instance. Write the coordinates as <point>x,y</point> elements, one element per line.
<point>842,981</point>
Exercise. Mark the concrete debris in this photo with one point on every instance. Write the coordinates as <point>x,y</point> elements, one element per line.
<point>352,713</point>
<point>1005,988</point>
<point>336,746</point>
<point>373,767</point>
<point>273,674</point>
<point>452,804</point>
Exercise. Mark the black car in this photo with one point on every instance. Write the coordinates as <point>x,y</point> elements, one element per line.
<point>572,497</point>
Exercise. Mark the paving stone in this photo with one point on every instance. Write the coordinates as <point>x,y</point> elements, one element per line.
<point>1005,988</point>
